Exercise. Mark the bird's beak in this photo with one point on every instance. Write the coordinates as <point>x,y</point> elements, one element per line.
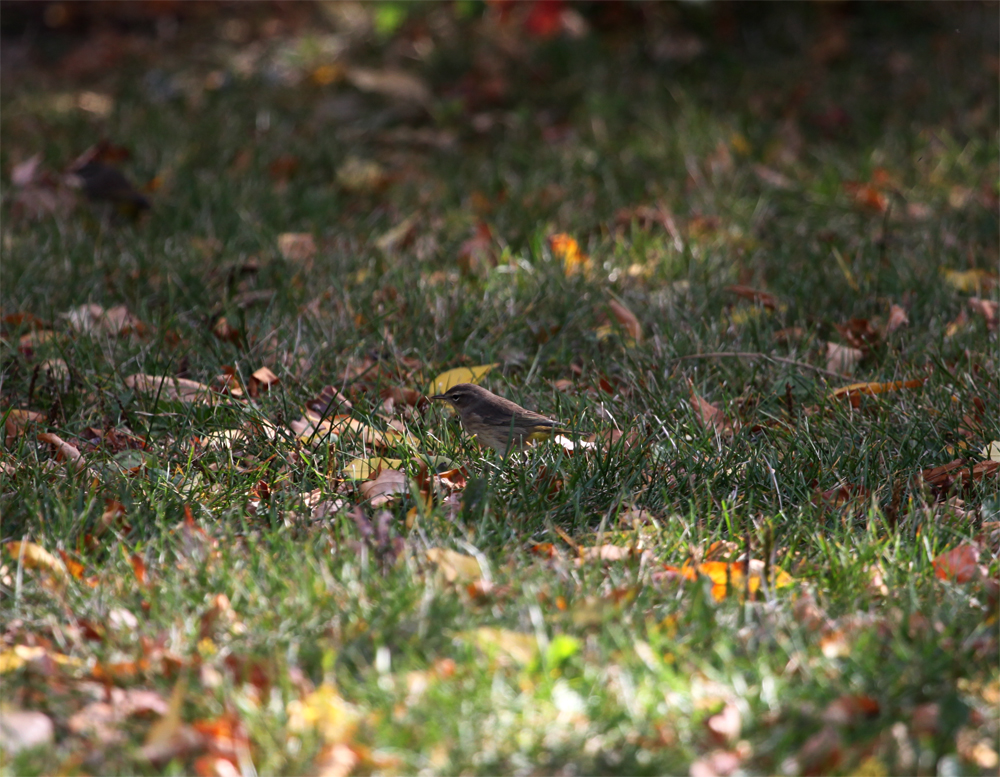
<point>439,397</point>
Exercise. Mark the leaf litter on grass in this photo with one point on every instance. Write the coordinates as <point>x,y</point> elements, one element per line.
<point>645,647</point>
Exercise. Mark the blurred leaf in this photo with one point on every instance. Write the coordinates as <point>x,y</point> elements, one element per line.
<point>36,557</point>
<point>855,391</point>
<point>960,564</point>
<point>454,566</point>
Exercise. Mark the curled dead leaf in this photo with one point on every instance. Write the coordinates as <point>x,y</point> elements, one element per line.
<point>627,319</point>
<point>169,387</point>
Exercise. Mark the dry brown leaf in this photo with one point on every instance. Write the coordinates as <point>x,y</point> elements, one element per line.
<point>765,298</point>
<point>987,308</point>
<point>897,319</point>
<point>18,420</point>
<point>627,319</point>
<point>93,319</point>
<point>397,84</point>
<point>64,450</point>
<point>265,378</point>
<point>297,247</point>
<point>169,387</point>
<point>958,474</point>
<point>858,333</point>
<point>709,415</point>
<point>385,487</point>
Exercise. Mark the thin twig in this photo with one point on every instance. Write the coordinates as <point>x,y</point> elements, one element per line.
<point>751,355</point>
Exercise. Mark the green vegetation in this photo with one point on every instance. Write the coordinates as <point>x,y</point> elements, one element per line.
<point>220,596</point>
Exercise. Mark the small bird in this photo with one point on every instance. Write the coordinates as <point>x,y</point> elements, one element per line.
<point>497,422</point>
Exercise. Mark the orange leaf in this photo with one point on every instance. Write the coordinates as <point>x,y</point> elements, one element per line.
<point>960,564</point>
<point>567,250</point>
<point>855,391</point>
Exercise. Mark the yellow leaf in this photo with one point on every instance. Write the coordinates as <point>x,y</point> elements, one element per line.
<point>446,380</point>
<point>992,451</point>
<point>970,280</point>
<point>567,251</point>
<point>19,655</point>
<point>325,711</point>
<point>37,557</point>
<point>365,469</point>
<point>517,645</point>
<point>856,390</point>
<point>455,566</point>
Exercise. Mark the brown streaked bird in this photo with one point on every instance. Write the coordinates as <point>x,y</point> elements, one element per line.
<point>497,422</point>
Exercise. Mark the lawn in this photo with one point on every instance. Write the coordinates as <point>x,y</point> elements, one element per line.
<point>748,255</point>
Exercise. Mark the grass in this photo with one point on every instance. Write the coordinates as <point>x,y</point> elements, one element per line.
<point>350,640</point>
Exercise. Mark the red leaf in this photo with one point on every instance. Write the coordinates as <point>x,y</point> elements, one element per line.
<point>960,564</point>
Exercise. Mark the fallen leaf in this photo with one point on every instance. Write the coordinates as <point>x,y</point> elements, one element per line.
<point>24,730</point>
<point>867,195</point>
<point>168,387</point>
<point>842,359</point>
<point>765,298</point>
<point>64,450</point>
<point>567,251</point>
<point>610,553</point>
<point>957,474</point>
<point>454,566</point>
<point>453,377</point>
<point>850,709</point>
<point>18,420</point>
<point>897,319</point>
<point>36,557</point>
<point>773,178</point>
<point>93,319</point>
<point>361,176</point>
<point>976,280</point>
<point>326,712</point>
<point>960,564</point>
<point>855,391</point>
<point>627,319</point>
<point>170,737</point>
<point>385,487</point>
<point>709,415</point>
<point>366,469</point>
<point>725,726</point>
<point>397,84</point>
<point>961,321</point>
<point>727,577</point>
<point>858,333</point>
<point>987,308</point>
<point>518,646</point>
<point>265,378</point>
<point>297,247</point>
